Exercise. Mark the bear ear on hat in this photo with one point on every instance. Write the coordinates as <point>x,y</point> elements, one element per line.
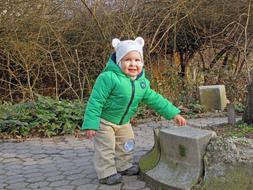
<point>140,40</point>
<point>115,42</point>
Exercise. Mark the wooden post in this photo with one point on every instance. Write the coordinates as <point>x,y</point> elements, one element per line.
<point>231,114</point>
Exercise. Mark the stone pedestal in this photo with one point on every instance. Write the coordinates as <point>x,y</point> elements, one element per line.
<point>180,164</point>
<point>213,96</point>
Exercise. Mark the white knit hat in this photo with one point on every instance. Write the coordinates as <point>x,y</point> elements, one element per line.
<point>123,47</point>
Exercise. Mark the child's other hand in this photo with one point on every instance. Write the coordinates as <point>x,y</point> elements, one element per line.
<point>178,119</point>
<point>90,133</point>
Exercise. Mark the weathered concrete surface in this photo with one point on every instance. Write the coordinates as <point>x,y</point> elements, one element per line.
<point>228,164</point>
<point>181,152</point>
<point>213,96</point>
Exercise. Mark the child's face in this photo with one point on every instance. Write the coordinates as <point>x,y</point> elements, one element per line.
<point>131,64</point>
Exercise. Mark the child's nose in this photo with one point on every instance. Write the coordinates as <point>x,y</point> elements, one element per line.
<point>133,62</point>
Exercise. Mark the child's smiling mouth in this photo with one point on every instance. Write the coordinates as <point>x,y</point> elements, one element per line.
<point>132,69</point>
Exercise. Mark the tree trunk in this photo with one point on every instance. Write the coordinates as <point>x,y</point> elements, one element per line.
<point>248,112</point>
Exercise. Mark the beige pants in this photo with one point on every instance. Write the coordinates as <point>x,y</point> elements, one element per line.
<point>110,154</point>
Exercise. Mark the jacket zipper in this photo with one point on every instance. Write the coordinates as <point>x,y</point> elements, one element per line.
<point>129,104</point>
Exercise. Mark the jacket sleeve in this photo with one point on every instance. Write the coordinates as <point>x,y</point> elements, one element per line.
<point>98,97</point>
<point>160,104</point>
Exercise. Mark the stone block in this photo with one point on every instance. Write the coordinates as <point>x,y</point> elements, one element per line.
<point>180,164</point>
<point>213,96</point>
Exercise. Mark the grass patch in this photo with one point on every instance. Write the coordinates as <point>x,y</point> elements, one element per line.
<point>240,130</point>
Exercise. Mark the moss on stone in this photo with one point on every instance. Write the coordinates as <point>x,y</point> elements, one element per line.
<point>236,178</point>
<point>182,150</point>
<point>151,159</point>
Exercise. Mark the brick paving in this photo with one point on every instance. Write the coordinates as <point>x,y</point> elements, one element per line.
<point>66,162</point>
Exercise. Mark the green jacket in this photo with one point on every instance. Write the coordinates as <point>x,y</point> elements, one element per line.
<point>115,98</point>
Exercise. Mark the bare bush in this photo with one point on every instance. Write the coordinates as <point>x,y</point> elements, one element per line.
<point>58,48</point>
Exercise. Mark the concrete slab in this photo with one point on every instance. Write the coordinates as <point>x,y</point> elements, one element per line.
<point>181,161</point>
<point>213,96</point>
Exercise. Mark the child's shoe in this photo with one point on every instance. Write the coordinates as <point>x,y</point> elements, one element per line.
<point>112,179</point>
<point>134,170</point>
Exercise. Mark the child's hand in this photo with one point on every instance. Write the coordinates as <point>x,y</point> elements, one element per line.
<point>179,120</point>
<point>90,133</point>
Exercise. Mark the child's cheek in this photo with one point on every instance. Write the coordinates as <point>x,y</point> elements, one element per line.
<point>139,69</point>
<point>124,69</point>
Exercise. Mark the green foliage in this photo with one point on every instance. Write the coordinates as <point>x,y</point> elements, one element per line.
<point>241,124</point>
<point>47,117</point>
<point>246,127</point>
<point>239,107</point>
<point>242,130</point>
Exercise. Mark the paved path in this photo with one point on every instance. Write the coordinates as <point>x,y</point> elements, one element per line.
<point>67,162</point>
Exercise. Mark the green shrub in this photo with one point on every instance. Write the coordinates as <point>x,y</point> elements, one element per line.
<point>239,107</point>
<point>45,117</point>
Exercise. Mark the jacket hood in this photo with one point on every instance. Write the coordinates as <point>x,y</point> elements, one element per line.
<point>114,67</point>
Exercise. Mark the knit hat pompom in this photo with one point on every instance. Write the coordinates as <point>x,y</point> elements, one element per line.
<point>125,46</point>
